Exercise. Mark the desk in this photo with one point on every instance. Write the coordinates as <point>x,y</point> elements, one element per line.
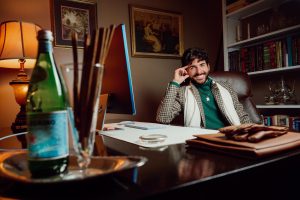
<point>182,172</point>
<point>179,172</point>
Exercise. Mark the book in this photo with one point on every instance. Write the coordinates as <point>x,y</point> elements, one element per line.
<point>296,50</point>
<point>259,58</point>
<point>234,61</point>
<point>289,51</point>
<point>294,123</point>
<point>278,53</point>
<point>269,55</point>
<point>267,120</point>
<point>282,120</point>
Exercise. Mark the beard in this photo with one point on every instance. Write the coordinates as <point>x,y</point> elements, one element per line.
<point>199,78</point>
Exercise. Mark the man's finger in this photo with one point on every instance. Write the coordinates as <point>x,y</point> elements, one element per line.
<point>185,67</point>
<point>183,72</point>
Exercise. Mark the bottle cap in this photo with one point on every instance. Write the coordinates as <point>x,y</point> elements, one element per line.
<point>45,35</point>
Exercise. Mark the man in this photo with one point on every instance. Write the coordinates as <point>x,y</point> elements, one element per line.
<point>204,102</point>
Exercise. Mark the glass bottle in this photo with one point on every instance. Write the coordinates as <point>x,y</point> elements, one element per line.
<point>46,109</point>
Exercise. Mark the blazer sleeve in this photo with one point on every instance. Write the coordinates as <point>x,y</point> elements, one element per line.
<point>170,106</point>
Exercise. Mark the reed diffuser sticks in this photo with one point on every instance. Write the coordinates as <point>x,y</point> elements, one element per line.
<point>86,96</point>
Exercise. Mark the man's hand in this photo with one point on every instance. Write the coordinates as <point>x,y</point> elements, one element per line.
<point>180,74</point>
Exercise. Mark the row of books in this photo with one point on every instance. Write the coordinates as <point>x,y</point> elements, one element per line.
<point>283,120</point>
<point>268,55</point>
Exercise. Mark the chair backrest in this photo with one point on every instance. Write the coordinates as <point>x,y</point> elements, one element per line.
<point>242,86</point>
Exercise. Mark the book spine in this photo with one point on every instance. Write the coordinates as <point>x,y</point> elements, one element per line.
<point>289,51</point>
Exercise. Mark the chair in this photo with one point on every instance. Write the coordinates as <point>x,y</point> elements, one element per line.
<point>242,86</point>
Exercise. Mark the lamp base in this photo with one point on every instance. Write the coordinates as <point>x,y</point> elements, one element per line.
<point>20,86</point>
<point>20,125</point>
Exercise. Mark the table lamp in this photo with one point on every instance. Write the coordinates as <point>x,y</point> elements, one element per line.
<point>18,49</point>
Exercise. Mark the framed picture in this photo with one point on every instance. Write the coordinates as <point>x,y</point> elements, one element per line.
<point>155,33</point>
<point>69,16</point>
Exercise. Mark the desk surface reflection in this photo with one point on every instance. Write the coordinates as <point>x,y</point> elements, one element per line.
<point>176,171</point>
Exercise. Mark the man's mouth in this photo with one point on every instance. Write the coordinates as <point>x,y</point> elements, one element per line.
<point>200,76</point>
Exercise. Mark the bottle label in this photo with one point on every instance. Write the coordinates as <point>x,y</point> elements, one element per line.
<point>48,135</point>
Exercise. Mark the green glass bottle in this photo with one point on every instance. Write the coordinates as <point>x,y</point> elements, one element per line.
<point>46,110</point>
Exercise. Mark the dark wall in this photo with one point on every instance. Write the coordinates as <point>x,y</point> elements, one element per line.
<point>202,22</point>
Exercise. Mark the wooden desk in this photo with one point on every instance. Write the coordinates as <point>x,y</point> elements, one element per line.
<point>182,172</point>
<point>178,172</point>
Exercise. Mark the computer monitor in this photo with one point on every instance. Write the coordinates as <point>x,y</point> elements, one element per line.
<point>117,82</point>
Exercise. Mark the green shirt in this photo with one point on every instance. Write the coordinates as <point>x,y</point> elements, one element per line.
<point>213,115</point>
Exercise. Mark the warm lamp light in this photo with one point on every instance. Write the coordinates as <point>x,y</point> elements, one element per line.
<point>18,49</point>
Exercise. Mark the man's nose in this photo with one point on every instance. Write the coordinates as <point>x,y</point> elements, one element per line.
<point>199,70</point>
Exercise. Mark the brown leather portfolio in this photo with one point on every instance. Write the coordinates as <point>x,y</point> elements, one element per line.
<point>218,142</point>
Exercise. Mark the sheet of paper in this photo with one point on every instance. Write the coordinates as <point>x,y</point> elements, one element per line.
<point>175,134</point>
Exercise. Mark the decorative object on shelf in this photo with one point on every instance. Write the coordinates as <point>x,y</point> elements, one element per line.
<point>156,33</point>
<point>277,20</point>
<point>262,29</point>
<point>18,49</point>
<point>286,94</point>
<point>270,100</point>
<point>281,93</point>
<point>285,15</point>
<point>72,16</point>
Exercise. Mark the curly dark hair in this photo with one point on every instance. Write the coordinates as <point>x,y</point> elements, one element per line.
<point>192,53</point>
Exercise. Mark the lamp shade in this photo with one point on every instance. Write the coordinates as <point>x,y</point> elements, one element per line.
<point>18,40</point>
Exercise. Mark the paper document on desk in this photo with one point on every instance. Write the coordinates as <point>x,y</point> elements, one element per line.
<point>145,125</point>
<point>175,134</point>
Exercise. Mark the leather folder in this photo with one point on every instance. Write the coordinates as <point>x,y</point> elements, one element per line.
<point>218,142</point>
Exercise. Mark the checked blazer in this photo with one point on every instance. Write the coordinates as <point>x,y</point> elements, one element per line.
<point>174,100</point>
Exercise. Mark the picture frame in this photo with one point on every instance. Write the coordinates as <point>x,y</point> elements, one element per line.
<point>155,33</point>
<point>68,16</point>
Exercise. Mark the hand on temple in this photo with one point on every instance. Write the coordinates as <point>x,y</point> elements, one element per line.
<point>180,74</point>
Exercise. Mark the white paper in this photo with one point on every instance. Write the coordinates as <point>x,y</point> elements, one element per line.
<point>175,134</point>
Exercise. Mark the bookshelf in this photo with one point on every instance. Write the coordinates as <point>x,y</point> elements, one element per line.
<point>252,8</point>
<point>273,71</point>
<point>264,36</point>
<point>277,106</point>
<point>232,21</point>
<point>255,24</point>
